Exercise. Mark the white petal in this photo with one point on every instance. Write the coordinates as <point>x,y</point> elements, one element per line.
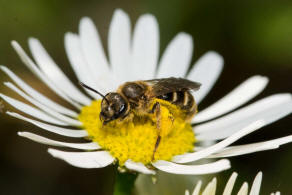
<point>54,73</point>
<point>46,109</point>
<point>206,71</point>
<point>256,186</point>
<point>277,193</point>
<point>79,64</point>
<point>44,140</point>
<point>192,169</point>
<point>189,157</point>
<point>36,95</point>
<point>240,95</point>
<point>177,57</point>
<point>145,48</point>
<point>31,65</point>
<point>197,188</point>
<point>31,110</point>
<point>243,189</point>
<point>138,167</point>
<point>187,192</point>
<point>84,159</point>
<point>51,128</point>
<point>269,109</point>
<point>94,53</point>
<point>119,45</point>
<point>230,184</point>
<point>251,148</point>
<point>211,188</point>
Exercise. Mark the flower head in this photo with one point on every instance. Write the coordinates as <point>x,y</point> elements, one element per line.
<point>131,144</point>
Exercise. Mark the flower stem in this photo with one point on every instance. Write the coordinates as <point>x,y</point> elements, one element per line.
<point>124,183</point>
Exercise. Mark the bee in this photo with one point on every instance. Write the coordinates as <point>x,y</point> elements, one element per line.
<point>138,96</point>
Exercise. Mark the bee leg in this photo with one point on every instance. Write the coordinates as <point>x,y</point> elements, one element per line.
<point>156,146</point>
<point>156,110</point>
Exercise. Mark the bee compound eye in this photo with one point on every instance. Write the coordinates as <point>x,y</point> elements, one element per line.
<point>122,108</point>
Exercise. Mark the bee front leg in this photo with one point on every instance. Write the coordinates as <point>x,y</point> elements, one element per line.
<point>156,110</point>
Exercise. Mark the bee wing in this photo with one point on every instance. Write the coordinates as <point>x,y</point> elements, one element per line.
<point>172,84</point>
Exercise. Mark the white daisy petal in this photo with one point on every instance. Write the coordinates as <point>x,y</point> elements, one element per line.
<point>119,45</point>
<point>177,57</point>
<point>256,186</point>
<point>36,95</point>
<point>243,189</point>
<point>197,188</point>
<point>44,140</point>
<point>211,188</point>
<point>79,65</point>
<point>240,95</point>
<point>270,109</point>
<point>230,184</point>
<point>51,128</point>
<point>84,159</point>
<point>54,73</point>
<point>31,65</point>
<point>192,169</point>
<point>94,53</point>
<point>145,48</point>
<point>138,167</point>
<point>31,110</point>
<point>46,109</point>
<point>251,148</point>
<point>206,71</point>
<point>189,157</point>
<point>187,192</point>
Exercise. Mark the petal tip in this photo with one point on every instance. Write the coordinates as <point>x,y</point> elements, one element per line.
<point>15,44</point>
<point>184,35</point>
<point>32,40</point>
<point>53,152</point>
<point>3,68</point>
<point>84,23</point>
<point>148,17</point>
<point>119,11</point>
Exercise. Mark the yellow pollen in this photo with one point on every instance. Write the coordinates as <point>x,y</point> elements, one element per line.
<point>135,137</point>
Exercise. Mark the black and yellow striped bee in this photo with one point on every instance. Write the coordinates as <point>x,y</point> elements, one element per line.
<point>138,96</point>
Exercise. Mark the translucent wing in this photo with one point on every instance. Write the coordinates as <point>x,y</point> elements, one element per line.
<point>172,84</point>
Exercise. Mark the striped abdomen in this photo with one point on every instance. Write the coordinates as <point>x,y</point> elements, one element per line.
<point>183,99</point>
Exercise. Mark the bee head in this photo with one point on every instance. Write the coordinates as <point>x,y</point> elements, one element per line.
<point>113,106</point>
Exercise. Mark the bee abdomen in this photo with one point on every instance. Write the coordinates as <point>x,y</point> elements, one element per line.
<point>183,99</point>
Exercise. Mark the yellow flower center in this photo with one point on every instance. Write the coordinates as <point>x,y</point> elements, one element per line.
<point>135,138</point>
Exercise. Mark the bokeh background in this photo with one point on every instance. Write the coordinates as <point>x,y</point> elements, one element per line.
<point>254,37</point>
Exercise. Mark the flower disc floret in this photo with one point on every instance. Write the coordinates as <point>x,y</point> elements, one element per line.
<point>136,137</point>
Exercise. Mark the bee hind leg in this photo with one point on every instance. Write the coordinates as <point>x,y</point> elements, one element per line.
<point>156,110</point>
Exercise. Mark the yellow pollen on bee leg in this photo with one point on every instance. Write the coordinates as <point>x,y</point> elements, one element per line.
<point>135,139</point>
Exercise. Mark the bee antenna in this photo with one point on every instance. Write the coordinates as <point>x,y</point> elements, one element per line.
<point>87,87</point>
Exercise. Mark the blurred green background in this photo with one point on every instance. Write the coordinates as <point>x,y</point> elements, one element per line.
<point>253,37</point>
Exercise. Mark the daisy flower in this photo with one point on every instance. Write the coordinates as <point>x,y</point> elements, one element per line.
<point>210,189</point>
<point>129,145</point>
